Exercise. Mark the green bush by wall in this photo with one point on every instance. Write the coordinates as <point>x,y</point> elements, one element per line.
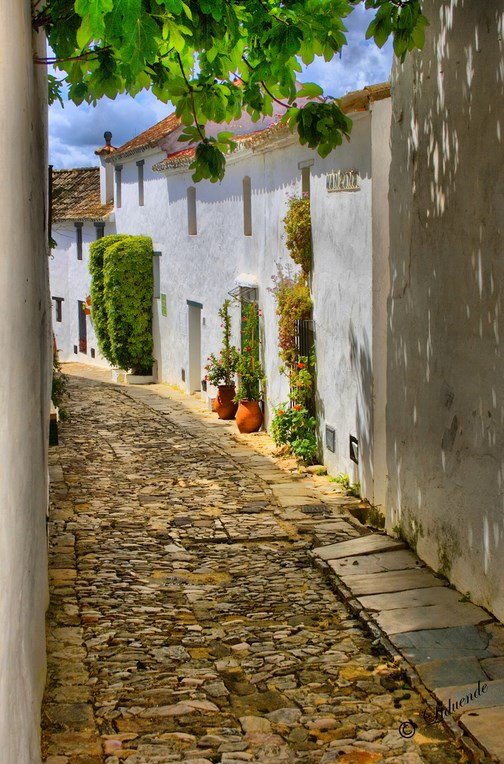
<point>128,289</point>
<point>121,294</point>
<point>98,305</point>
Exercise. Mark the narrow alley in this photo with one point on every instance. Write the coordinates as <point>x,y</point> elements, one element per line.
<point>186,620</point>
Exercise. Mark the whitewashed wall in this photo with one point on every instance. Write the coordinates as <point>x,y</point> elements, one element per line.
<point>203,268</point>
<point>342,289</point>
<point>445,416</point>
<point>70,279</point>
<point>25,388</point>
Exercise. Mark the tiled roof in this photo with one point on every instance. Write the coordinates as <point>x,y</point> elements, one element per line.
<point>165,133</point>
<point>267,129</point>
<point>76,195</point>
<point>149,138</point>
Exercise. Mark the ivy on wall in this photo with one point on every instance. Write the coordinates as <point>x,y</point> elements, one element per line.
<point>294,303</point>
<point>297,222</point>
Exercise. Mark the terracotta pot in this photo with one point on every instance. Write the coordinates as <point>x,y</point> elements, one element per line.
<point>224,403</point>
<point>249,416</point>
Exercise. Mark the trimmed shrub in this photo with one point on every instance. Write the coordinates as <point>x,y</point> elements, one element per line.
<point>128,291</point>
<point>98,304</point>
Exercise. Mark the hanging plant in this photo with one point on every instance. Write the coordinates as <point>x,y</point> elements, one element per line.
<point>297,222</point>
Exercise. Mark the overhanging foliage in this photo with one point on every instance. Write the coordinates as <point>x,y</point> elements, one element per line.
<point>192,52</point>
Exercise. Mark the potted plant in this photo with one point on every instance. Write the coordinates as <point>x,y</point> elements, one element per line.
<point>221,370</point>
<point>249,416</point>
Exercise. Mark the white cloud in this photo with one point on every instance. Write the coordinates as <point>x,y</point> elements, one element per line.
<point>76,131</point>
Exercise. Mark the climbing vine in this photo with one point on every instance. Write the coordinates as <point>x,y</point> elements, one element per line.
<point>297,222</point>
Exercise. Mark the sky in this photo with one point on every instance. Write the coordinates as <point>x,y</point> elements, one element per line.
<point>76,131</point>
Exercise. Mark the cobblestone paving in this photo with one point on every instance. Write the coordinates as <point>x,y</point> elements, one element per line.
<point>186,623</point>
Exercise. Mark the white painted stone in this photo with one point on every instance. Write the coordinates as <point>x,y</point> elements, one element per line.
<point>445,407</point>
<point>25,346</point>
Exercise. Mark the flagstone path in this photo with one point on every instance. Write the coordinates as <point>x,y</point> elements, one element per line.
<point>186,621</point>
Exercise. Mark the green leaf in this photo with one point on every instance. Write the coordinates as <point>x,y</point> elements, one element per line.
<point>93,13</point>
<point>309,90</point>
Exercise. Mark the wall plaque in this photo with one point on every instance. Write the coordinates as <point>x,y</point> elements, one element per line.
<point>343,180</point>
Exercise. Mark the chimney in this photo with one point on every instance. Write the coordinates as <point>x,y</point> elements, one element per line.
<point>106,169</point>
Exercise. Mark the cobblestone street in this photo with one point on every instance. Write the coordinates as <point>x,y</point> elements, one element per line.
<point>186,620</point>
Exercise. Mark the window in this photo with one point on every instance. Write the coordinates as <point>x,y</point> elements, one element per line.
<point>78,234</point>
<point>305,181</point>
<point>140,171</point>
<point>192,226</point>
<point>305,176</point>
<point>118,169</point>
<point>100,230</point>
<point>247,206</point>
<point>59,308</point>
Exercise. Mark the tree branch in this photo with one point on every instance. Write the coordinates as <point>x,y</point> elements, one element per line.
<point>191,92</point>
<point>49,60</point>
<point>281,103</point>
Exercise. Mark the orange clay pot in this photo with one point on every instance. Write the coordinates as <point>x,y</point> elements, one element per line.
<point>224,402</point>
<point>249,416</point>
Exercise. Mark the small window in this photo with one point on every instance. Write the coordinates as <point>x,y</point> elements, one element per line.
<point>100,230</point>
<point>192,226</point>
<point>247,206</point>
<point>118,170</point>
<point>58,304</point>
<point>140,171</point>
<point>78,239</point>
<point>305,182</point>
<point>305,168</point>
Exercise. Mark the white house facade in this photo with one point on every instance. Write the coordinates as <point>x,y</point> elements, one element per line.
<point>78,219</point>
<point>213,240</point>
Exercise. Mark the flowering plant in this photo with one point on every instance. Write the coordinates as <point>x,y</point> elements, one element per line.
<point>250,373</point>
<point>221,370</point>
<point>292,425</point>
<point>297,223</point>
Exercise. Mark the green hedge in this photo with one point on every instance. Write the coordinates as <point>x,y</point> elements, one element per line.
<point>98,304</point>
<point>121,294</point>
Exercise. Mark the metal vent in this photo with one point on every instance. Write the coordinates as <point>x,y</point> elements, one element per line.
<point>93,353</point>
<point>182,374</point>
<point>75,349</point>
<point>330,438</point>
